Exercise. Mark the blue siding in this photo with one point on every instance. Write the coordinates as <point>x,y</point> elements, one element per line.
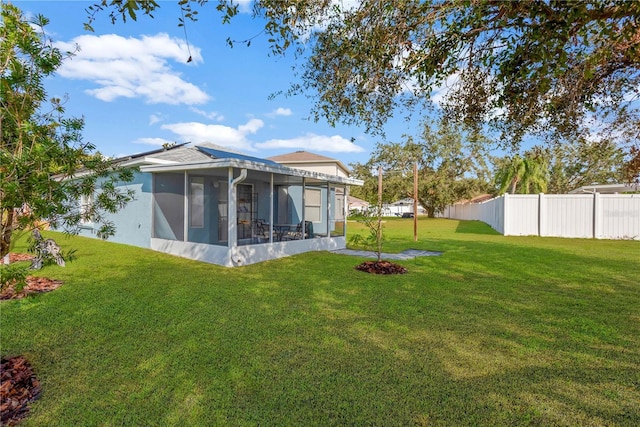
<point>133,222</point>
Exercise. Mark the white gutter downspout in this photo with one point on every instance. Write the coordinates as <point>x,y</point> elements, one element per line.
<point>232,197</point>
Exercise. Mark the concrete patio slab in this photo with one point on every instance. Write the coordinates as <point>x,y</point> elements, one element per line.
<point>404,255</point>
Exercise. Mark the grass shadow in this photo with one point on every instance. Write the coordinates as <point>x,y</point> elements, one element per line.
<point>475,227</point>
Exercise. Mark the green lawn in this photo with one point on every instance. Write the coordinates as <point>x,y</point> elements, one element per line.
<point>496,331</point>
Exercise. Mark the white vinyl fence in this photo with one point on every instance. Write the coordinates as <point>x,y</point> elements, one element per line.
<point>600,216</point>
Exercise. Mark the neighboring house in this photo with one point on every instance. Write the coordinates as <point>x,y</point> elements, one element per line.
<point>608,189</point>
<point>356,204</point>
<point>213,205</point>
<point>312,162</point>
<point>400,207</point>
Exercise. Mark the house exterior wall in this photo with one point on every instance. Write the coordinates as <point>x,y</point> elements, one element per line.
<point>133,222</point>
<point>160,218</point>
<point>327,168</point>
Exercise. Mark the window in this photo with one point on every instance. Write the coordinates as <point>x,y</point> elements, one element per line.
<point>313,204</point>
<point>86,204</point>
<point>196,202</point>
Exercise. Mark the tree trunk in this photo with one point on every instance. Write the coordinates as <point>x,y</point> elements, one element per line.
<point>7,231</point>
<point>514,184</point>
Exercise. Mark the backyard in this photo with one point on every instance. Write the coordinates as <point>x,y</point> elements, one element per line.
<point>496,331</point>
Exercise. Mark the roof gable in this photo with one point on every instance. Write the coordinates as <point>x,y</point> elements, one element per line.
<point>301,156</point>
<point>305,157</point>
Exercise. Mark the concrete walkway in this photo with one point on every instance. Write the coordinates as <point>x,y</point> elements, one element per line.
<point>404,255</point>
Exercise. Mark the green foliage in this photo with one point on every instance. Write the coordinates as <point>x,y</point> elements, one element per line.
<point>577,163</point>
<point>13,274</point>
<point>563,70</point>
<point>452,165</point>
<point>523,66</point>
<point>372,221</point>
<point>45,166</point>
<point>525,175</point>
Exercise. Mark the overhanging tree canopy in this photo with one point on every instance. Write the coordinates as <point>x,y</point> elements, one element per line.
<point>553,68</point>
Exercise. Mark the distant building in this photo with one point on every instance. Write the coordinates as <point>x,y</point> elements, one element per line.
<point>400,207</point>
<point>312,162</point>
<point>356,204</point>
<point>607,189</point>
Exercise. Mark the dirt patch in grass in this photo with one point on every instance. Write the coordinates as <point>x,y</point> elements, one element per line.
<point>381,267</point>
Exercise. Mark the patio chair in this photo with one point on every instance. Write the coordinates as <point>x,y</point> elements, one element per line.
<point>261,229</point>
<point>308,230</point>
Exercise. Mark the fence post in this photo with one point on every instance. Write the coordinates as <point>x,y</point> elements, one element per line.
<point>505,225</point>
<point>597,216</point>
<point>542,215</point>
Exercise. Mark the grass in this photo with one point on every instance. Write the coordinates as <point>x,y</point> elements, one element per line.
<point>497,331</point>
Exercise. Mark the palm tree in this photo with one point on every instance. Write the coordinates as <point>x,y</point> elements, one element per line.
<point>525,175</point>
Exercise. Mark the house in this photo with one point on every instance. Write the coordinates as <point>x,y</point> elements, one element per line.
<point>400,207</point>
<point>312,162</point>
<point>608,188</point>
<point>358,205</point>
<point>210,204</point>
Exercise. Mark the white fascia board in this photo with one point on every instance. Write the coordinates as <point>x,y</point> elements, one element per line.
<point>245,164</point>
<point>318,162</point>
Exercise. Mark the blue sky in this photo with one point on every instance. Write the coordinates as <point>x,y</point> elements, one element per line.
<point>135,89</point>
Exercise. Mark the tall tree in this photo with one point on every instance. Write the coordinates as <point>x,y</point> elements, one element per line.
<point>45,166</point>
<point>451,167</point>
<point>523,174</point>
<point>583,162</point>
<point>528,66</point>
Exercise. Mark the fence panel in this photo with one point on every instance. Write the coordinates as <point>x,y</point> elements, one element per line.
<point>569,215</point>
<point>521,215</point>
<point>620,217</point>
<point>607,216</point>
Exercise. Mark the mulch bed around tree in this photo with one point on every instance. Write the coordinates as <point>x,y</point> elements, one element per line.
<point>381,267</point>
<point>35,285</point>
<point>18,387</point>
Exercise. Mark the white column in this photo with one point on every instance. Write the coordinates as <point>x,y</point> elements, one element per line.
<point>185,222</point>
<point>542,215</point>
<point>506,219</point>
<point>345,208</point>
<point>271,200</point>
<point>597,216</point>
<point>304,203</point>
<point>232,215</point>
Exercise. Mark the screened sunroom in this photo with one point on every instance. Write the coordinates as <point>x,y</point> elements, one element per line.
<point>236,210</point>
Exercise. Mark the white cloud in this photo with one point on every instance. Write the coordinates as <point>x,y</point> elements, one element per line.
<point>133,68</point>
<point>280,111</point>
<point>225,136</point>
<point>212,115</point>
<point>244,5</point>
<point>153,141</point>
<point>312,142</point>
<point>155,118</point>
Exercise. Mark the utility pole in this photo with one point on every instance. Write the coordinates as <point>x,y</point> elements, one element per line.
<point>415,202</point>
